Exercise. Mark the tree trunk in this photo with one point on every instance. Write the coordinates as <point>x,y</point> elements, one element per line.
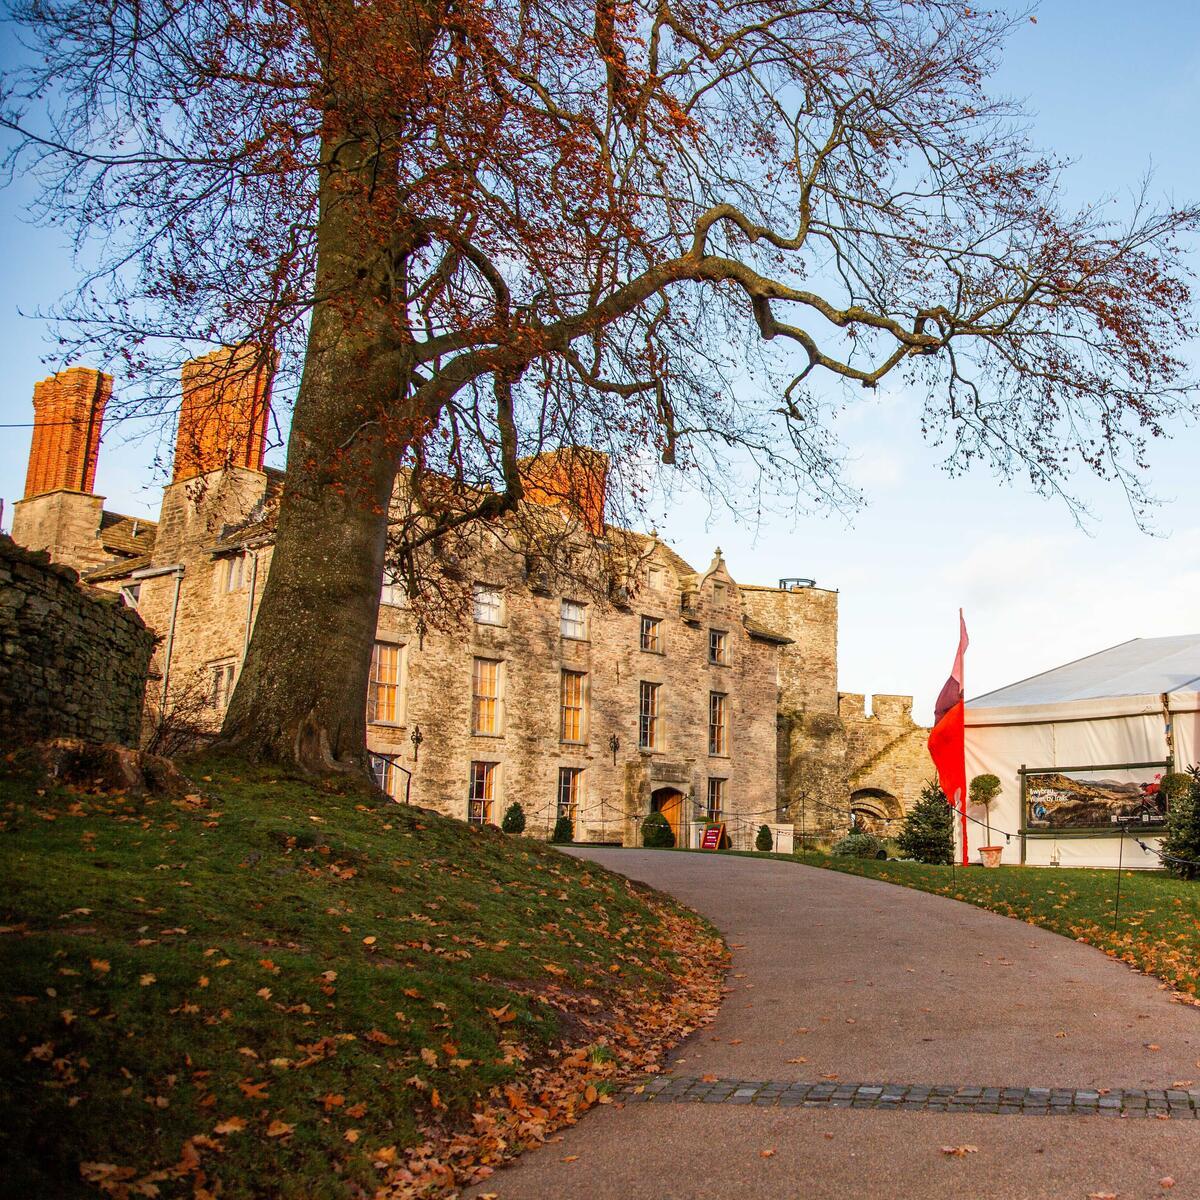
<point>301,695</point>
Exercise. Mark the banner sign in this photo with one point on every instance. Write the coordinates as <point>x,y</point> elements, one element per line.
<point>1094,799</point>
<point>711,838</point>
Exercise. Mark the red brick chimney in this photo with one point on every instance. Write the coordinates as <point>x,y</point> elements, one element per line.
<point>574,477</point>
<point>67,410</point>
<point>223,417</point>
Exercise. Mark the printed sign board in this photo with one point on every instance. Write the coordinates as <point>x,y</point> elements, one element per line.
<point>711,838</point>
<point>1093,799</point>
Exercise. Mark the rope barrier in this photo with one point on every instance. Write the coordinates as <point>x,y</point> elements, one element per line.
<point>1164,857</point>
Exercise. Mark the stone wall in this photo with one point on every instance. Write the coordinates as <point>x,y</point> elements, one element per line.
<point>65,524</point>
<point>887,759</point>
<point>72,662</point>
<point>845,767</point>
<point>808,667</point>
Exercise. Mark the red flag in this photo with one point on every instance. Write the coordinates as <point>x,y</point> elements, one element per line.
<point>947,737</point>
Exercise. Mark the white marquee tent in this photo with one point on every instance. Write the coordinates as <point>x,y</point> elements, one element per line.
<point>1076,747</point>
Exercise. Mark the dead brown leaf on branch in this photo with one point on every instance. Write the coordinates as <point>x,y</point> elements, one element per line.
<point>460,238</point>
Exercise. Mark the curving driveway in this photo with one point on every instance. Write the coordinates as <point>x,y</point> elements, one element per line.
<point>839,981</point>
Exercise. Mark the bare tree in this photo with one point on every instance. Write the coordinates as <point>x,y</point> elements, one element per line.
<point>470,231</point>
<point>184,720</point>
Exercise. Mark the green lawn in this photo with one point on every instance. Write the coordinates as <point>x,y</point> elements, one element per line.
<point>1157,929</point>
<point>266,988</point>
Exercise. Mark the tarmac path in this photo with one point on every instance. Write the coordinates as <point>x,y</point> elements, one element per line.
<point>866,1027</point>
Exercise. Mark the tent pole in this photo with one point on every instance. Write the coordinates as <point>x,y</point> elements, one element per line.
<point>1120,861</point>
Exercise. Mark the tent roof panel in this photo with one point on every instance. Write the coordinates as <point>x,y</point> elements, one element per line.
<point>1143,666</point>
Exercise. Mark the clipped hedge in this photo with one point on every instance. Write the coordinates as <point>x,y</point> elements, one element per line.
<point>860,845</point>
<point>657,833</point>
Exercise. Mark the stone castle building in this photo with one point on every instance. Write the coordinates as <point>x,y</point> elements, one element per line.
<point>632,683</point>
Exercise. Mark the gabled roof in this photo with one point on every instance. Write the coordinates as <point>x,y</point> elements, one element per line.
<point>1140,667</point>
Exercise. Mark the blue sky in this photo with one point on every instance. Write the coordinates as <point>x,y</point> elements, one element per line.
<point>1112,85</point>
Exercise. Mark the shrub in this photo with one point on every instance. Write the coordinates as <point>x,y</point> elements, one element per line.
<point>564,832</point>
<point>764,840</point>
<point>1183,822</point>
<point>514,819</point>
<point>656,832</point>
<point>928,833</point>
<point>860,845</point>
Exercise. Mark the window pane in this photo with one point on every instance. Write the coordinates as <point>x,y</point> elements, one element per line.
<point>718,646</point>
<point>648,720</point>
<point>574,620</point>
<point>651,634</point>
<point>572,725</point>
<point>221,689</point>
<point>482,792</point>
<point>487,603</point>
<point>392,593</point>
<point>388,776</point>
<point>485,696</point>
<point>569,788</point>
<point>715,809</point>
<point>717,723</point>
<point>383,694</point>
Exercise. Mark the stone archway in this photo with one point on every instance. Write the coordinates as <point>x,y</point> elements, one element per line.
<point>669,802</point>
<point>876,811</point>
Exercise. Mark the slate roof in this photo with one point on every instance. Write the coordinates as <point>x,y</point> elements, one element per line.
<point>756,629</point>
<point>120,534</point>
<point>118,568</point>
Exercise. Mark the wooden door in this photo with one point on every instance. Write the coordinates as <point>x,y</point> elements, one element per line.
<point>669,802</point>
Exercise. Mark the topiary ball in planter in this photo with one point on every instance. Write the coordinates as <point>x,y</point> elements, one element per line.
<point>763,840</point>
<point>514,819</point>
<point>860,845</point>
<point>656,832</point>
<point>564,832</point>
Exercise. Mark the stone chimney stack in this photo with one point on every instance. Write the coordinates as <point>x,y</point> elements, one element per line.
<point>575,478</point>
<point>223,417</point>
<point>68,408</point>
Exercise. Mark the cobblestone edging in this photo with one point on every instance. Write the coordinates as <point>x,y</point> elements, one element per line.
<point>906,1097</point>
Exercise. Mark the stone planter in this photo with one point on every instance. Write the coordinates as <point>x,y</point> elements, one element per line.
<point>989,856</point>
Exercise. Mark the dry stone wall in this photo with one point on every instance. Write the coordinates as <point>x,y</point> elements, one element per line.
<point>72,663</point>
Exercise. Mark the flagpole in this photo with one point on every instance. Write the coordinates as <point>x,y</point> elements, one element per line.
<point>947,738</point>
<point>962,813</point>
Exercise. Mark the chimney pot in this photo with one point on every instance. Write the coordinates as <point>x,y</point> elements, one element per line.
<point>68,408</point>
<point>223,414</point>
<point>573,477</point>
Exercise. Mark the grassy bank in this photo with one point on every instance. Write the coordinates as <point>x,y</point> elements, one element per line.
<point>265,988</point>
<point>1157,929</point>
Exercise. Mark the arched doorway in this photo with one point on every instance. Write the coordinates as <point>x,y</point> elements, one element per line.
<point>669,802</point>
<point>875,811</point>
